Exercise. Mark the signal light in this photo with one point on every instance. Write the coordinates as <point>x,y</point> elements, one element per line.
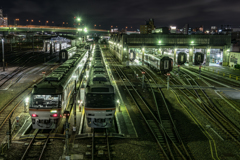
<point>55,115</point>
<point>34,115</point>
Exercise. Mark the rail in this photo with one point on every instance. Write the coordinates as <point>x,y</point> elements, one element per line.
<point>214,114</point>
<point>221,73</point>
<point>94,141</point>
<point>212,143</point>
<point>161,136</point>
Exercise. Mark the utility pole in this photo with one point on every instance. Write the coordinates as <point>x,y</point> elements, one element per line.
<point>179,70</point>
<point>74,109</point>
<point>11,43</point>
<point>33,42</point>
<point>168,74</point>
<point>3,54</point>
<point>66,114</point>
<point>143,76</point>
<point>199,72</point>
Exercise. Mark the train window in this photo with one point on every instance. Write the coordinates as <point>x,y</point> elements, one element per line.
<point>166,64</point>
<point>63,55</point>
<point>199,58</point>
<point>182,57</point>
<point>100,90</point>
<point>46,101</point>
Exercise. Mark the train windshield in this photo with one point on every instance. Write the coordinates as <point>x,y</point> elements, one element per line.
<point>166,64</point>
<point>100,100</point>
<point>199,58</point>
<point>46,101</point>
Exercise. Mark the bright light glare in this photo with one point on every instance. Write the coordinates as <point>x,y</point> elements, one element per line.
<point>85,29</point>
<point>192,42</point>
<point>27,100</point>
<point>218,55</point>
<point>159,41</point>
<point>118,101</point>
<point>124,49</point>
<point>143,49</point>
<point>79,29</point>
<point>78,19</point>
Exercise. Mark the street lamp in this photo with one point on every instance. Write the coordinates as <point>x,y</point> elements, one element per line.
<point>46,23</point>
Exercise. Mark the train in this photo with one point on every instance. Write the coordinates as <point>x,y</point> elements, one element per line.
<point>51,96</point>
<point>162,63</point>
<point>67,53</point>
<point>100,103</point>
<point>198,58</point>
<point>182,58</point>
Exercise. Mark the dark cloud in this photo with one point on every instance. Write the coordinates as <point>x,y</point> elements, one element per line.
<point>127,13</point>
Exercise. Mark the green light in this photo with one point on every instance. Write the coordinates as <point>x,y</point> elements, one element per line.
<point>192,42</point>
<point>78,19</point>
<point>14,28</point>
<point>159,41</point>
<point>79,29</point>
<point>85,29</point>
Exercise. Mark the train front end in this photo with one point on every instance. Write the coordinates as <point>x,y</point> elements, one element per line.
<point>45,109</point>
<point>100,106</point>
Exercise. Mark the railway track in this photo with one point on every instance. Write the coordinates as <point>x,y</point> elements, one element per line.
<point>7,110</point>
<point>208,108</point>
<point>99,142</point>
<point>165,116</point>
<point>216,78</point>
<point>17,71</point>
<point>162,130</point>
<point>36,148</point>
<point>189,100</point>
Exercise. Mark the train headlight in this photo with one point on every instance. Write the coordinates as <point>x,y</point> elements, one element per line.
<point>118,101</point>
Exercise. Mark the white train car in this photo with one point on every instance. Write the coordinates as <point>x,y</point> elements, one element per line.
<point>51,96</point>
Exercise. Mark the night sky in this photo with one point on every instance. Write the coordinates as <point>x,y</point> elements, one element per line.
<point>124,13</point>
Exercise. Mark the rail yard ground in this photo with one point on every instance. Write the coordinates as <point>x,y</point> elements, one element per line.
<point>198,120</point>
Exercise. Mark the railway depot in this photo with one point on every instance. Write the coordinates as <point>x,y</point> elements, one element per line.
<point>123,100</point>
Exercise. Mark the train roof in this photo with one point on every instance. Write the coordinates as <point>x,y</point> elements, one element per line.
<point>57,80</point>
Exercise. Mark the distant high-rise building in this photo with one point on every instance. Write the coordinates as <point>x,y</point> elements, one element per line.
<point>185,29</point>
<point>214,29</point>
<point>201,29</point>
<point>173,29</point>
<point>3,20</point>
<point>148,28</point>
<point>162,30</point>
<point>189,30</point>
